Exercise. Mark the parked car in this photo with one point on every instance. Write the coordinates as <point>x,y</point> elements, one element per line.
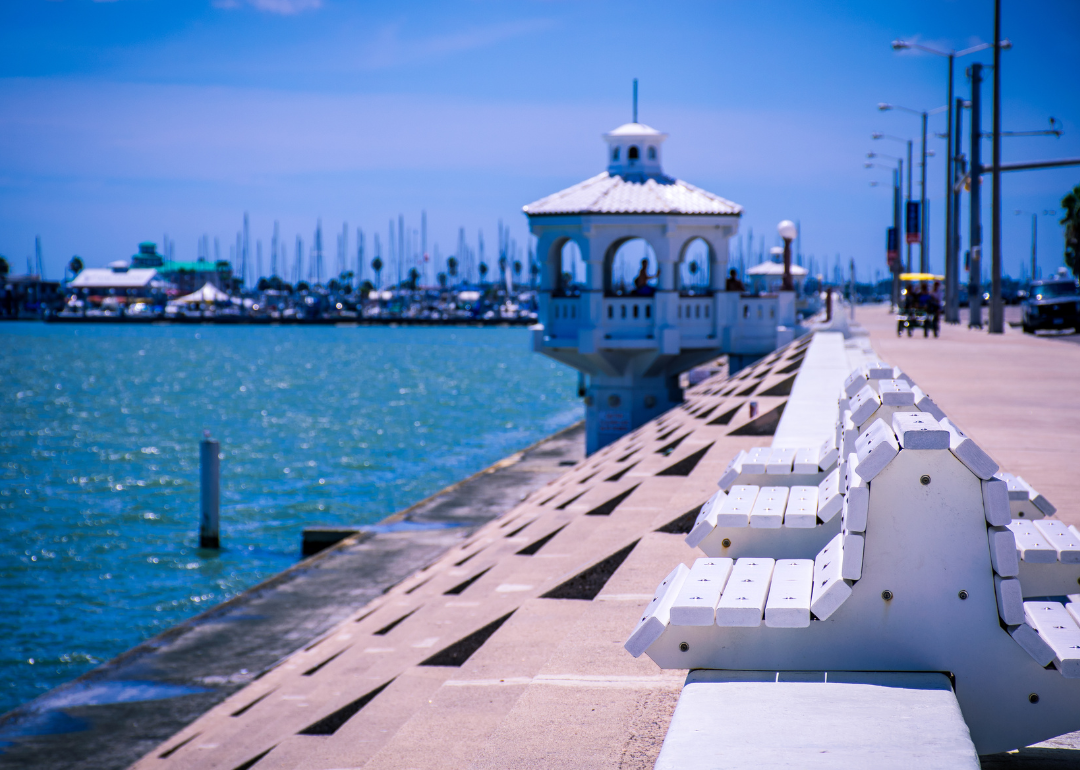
<point>1052,304</point>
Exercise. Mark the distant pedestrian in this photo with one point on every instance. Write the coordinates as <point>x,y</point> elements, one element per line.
<point>733,283</point>
<point>641,282</point>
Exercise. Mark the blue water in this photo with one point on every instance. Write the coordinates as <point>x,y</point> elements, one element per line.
<point>99,432</point>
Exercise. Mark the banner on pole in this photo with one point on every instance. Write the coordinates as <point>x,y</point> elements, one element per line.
<point>914,222</point>
<point>892,248</point>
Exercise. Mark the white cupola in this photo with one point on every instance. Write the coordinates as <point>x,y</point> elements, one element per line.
<point>634,151</point>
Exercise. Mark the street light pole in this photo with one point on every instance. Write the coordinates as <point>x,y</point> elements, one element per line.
<point>975,202</point>
<point>997,310</point>
<point>952,278</point>
<point>924,256</point>
<point>909,192</point>
<point>950,254</point>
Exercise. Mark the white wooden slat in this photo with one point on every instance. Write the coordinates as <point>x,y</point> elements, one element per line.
<point>806,460</point>
<point>1063,541</point>
<point>756,460</point>
<point>828,454</point>
<point>926,404</point>
<point>735,510</point>
<point>876,449</point>
<point>857,499</point>
<point>731,473</point>
<point>788,605</point>
<point>1038,500</point>
<point>848,436</point>
<point>1058,629</point>
<point>706,520</point>
<point>1010,600</point>
<point>830,502</point>
<point>969,453</point>
<point>864,404</point>
<point>879,370</point>
<point>1031,544</point>
<point>780,461</point>
<point>743,601</point>
<point>801,511</point>
<point>854,382</point>
<point>1073,607</point>
<point>657,614</point>
<point>1033,644</point>
<point>852,556</point>
<point>695,603</point>
<point>1018,489</point>
<point>768,510</point>
<point>896,393</point>
<point>918,430</point>
<point>1003,554</point>
<point>830,588</point>
<point>995,494</point>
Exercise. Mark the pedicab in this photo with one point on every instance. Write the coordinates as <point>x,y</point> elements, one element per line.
<point>918,306</point>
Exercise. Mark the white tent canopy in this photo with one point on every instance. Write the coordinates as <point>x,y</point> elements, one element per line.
<point>775,268</point>
<point>208,293</point>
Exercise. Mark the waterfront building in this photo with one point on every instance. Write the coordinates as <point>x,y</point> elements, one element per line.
<point>186,276</point>
<point>632,327</point>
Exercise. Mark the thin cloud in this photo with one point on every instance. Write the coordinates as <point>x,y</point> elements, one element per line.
<point>280,7</point>
<point>390,49</point>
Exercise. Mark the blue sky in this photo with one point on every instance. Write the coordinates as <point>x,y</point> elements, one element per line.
<point>122,121</point>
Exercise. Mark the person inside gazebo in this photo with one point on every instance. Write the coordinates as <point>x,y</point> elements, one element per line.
<point>641,282</point>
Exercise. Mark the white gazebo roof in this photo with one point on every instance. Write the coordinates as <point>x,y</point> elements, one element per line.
<point>208,293</point>
<point>606,193</point>
<point>113,278</point>
<point>775,268</point>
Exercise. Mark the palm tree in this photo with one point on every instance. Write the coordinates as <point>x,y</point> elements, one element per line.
<point>75,265</point>
<point>4,266</point>
<point>451,265</point>
<point>376,265</point>
<point>483,271</point>
<point>517,271</point>
<point>413,278</point>
<point>1071,220</point>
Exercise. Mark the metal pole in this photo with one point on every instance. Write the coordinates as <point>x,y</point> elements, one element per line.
<point>975,202</point>
<point>952,305</point>
<point>950,215</point>
<point>1034,242</point>
<point>898,176</point>
<point>997,310</point>
<point>210,491</point>
<point>924,240</point>
<point>909,191</point>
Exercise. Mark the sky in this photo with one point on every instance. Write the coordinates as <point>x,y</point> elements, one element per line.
<point>131,120</point>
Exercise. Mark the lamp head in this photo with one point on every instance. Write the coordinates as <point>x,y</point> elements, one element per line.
<point>900,45</point>
<point>787,230</point>
<point>883,106</point>
<point>877,135</point>
<point>1005,44</point>
<point>871,154</point>
<point>868,165</point>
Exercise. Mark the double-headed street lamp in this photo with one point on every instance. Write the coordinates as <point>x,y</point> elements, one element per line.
<point>952,213</point>
<point>879,135</point>
<point>924,252</point>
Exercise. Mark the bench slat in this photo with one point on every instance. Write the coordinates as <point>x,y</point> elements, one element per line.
<point>788,605</point>
<point>743,601</point>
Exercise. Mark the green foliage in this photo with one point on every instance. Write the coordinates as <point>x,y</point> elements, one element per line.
<point>1071,220</point>
<point>5,268</point>
<point>75,265</point>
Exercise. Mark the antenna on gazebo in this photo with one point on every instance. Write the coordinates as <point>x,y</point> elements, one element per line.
<point>635,100</point>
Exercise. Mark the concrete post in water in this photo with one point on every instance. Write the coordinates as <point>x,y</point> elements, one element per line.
<point>209,491</point>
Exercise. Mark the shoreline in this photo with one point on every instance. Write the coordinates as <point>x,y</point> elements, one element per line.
<point>113,714</point>
<point>241,321</point>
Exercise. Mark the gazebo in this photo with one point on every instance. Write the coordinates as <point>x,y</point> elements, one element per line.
<point>633,338</point>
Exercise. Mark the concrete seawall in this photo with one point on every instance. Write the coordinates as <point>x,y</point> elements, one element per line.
<point>117,712</point>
